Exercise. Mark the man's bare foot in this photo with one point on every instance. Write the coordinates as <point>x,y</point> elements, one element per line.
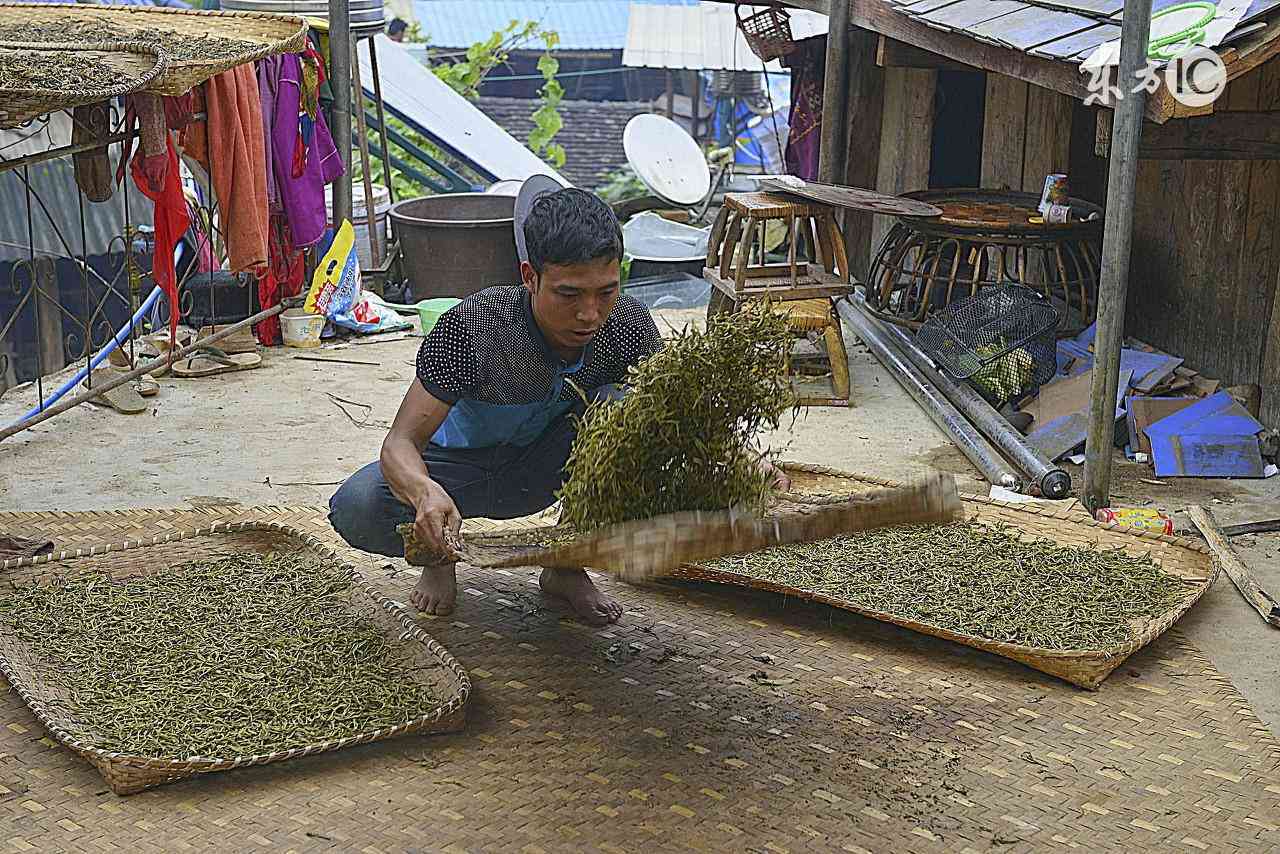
<point>437,590</point>
<point>574,586</point>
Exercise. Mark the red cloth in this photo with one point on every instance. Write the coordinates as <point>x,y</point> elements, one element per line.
<point>171,221</point>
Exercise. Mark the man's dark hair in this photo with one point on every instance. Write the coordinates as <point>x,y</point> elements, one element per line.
<point>571,226</point>
<point>397,26</point>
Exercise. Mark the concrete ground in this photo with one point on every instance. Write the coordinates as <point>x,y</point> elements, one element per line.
<point>289,431</point>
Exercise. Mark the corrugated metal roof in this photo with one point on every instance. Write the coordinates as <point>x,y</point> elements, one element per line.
<point>581,24</point>
<point>702,37</point>
<point>1068,29</point>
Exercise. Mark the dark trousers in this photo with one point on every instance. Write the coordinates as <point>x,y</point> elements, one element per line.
<point>505,482</point>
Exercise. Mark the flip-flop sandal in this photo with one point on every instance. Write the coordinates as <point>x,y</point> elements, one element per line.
<point>123,398</point>
<point>211,361</point>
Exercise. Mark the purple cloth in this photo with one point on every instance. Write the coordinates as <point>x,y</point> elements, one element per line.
<point>804,136</point>
<point>268,79</point>
<point>302,197</point>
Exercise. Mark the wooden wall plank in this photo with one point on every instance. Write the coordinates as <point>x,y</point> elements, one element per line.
<point>1087,172</point>
<point>1004,127</point>
<point>1264,202</point>
<point>1048,137</point>
<point>863,108</point>
<point>906,137</point>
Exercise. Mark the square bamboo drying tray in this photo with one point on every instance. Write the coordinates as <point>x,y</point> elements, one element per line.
<point>44,687</point>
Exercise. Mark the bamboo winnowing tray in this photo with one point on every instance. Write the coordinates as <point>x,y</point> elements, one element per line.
<point>646,548</point>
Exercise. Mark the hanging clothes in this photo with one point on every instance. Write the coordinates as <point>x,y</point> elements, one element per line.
<point>804,136</point>
<point>268,79</point>
<point>303,154</point>
<point>230,145</point>
<point>170,222</point>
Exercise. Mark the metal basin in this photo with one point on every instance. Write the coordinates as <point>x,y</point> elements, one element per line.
<point>458,243</point>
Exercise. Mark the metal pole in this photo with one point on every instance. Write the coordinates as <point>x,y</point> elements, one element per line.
<point>1053,482</point>
<point>366,168</point>
<point>835,88</point>
<point>1116,244</point>
<point>382,119</point>
<point>340,80</point>
<point>970,442</point>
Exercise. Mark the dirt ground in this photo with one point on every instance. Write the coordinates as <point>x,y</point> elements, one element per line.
<point>288,432</point>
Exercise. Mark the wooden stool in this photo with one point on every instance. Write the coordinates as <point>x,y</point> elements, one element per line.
<point>814,315</point>
<point>739,235</point>
<point>801,288</point>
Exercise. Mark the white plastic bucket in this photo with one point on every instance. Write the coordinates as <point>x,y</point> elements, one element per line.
<point>301,329</point>
<point>360,219</point>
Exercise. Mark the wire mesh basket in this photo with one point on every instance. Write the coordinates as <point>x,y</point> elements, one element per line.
<point>768,33</point>
<point>1002,340</point>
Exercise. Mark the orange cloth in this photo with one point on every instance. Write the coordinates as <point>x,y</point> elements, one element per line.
<point>238,167</point>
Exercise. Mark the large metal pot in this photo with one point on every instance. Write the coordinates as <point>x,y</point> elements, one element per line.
<point>456,244</point>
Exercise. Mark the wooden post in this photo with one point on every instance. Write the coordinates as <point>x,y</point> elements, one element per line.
<point>671,95</point>
<point>1117,242</point>
<point>832,154</point>
<point>863,118</point>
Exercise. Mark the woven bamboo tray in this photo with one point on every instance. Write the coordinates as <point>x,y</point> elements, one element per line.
<point>43,687</point>
<point>1087,668</point>
<point>266,34</point>
<point>137,65</point>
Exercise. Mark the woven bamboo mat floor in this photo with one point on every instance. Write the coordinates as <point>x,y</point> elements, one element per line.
<point>710,719</point>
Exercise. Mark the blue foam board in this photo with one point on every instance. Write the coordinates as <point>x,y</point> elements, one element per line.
<point>1208,455</point>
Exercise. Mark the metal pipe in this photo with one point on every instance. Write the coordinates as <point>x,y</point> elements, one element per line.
<point>167,359</point>
<point>970,442</point>
<point>340,80</point>
<point>1053,482</point>
<point>382,120</point>
<point>1117,242</point>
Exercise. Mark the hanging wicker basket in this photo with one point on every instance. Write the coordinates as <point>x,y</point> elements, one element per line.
<point>768,33</point>
<point>263,35</point>
<point>138,65</point>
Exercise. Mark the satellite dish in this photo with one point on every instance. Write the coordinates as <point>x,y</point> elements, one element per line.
<point>507,187</point>
<point>534,187</point>
<point>666,159</point>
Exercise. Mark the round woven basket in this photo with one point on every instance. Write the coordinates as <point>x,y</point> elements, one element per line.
<point>264,35</point>
<point>138,66</point>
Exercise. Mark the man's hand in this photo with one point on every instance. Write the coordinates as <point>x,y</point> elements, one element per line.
<point>438,521</point>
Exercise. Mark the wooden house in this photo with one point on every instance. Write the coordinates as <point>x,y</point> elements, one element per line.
<point>990,93</point>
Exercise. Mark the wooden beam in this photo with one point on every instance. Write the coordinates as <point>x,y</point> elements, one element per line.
<point>906,137</point>
<point>1225,135</point>
<point>892,53</point>
<point>1240,576</point>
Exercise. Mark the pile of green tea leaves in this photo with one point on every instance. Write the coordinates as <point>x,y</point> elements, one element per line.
<point>978,580</point>
<point>28,69</point>
<point>229,657</point>
<point>682,437</point>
